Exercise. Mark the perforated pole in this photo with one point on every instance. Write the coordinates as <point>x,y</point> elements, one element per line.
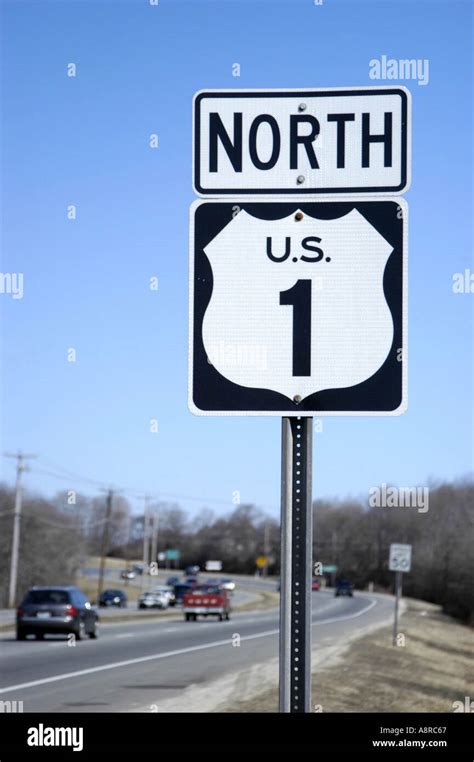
<point>296,565</point>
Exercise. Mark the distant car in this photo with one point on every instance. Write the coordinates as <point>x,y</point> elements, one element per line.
<point>51,610</point>
<point>128,574</point>
<point>193,581</point>
<point>227,584</point>
<point>180,591</point>
<point>113,598</point>
<point>316,584</point>
<point>344,587</point>
<point>167,591</point>
<point>153,599</point>
<point>191,571</point>
<point>138,568</point>
<point>172,581</point>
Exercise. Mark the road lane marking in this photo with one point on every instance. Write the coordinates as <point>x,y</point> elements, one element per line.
<point>177,652</point>
<point>372,603</point>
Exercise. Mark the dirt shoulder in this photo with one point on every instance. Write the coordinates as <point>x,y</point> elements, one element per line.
<point>428,673</point>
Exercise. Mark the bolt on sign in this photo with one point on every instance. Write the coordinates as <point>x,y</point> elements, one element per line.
<point>337,141</point>
<point>298,308</point>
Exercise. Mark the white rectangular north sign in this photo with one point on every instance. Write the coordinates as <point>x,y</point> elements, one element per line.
<point>345,141</point>
<point>298,307</point>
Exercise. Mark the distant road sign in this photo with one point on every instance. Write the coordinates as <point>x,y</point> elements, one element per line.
<point>298,308</point>
<point>400,558</point>
<point>343,140</point>
<point>213,565</point>
<point>172,554</point>
<point>261,562</point>
<point>330,569</point>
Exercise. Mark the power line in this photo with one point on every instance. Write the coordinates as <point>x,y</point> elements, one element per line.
<point>131,491</point>
<point>65,474</point>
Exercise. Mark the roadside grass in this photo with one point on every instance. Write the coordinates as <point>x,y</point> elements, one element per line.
<point>112,563</point>
<point>431,671</point>
<point>88,585</point>
<point>268,600</point>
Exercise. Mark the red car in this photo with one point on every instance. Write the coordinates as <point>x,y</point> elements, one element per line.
<point>316,584</point>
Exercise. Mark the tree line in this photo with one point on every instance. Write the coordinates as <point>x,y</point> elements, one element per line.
<point>57,537</point>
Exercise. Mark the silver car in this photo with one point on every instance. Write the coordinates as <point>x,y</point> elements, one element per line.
<point>153,599</point>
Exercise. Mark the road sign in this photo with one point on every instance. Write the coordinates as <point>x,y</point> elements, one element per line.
<point>298,308</point>
<point>261,562</point>
<point>330,569</point>
<point>213,565</point>
<point>172,554</point>
<point>400,558</point>
<point>345,140</point>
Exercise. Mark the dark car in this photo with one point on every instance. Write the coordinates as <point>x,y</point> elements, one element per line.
<point>113,598</point>
<point>344,587</point>
<point>51,610</point>
<point>172,581</point>
<point>191,571</point>
<point>180,591</point>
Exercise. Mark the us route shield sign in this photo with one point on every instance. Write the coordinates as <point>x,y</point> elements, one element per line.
<point>298,308</point>
<point>340,140</point>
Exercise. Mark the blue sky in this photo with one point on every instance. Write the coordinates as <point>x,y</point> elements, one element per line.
<point>84,141</point>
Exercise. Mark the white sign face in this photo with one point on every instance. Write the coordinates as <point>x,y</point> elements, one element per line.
<point>298,308</point>
<point>347,140</point>
<point>213,566</point>
<point>400,558</point>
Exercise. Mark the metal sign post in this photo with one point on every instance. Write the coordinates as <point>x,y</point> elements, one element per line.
<point>398,592</point>
<point>296,565</point>
<point>400,562</point>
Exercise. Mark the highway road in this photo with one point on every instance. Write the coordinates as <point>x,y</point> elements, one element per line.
<point>133,666</point>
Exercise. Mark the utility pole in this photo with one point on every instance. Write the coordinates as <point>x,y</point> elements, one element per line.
<point>266,545</point>
<point>105,542</point>
<point>20,467</point>
<point>334,556</point>
<point>154,537</point>
<point>146,523</point>
<point>146,544</point>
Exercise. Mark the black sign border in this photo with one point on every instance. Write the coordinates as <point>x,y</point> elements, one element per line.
<point>299,94</point>
<point>213,394</point>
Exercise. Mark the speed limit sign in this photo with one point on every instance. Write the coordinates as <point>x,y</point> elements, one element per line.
<point>400,558</point>
<point>298,308</point>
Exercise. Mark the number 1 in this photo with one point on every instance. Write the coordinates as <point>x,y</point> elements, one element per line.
<point>299,296</point>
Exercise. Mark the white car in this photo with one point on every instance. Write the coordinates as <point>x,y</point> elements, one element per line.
<point>228,584</point>
<point>165,590</point>
<point>153,600</point>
